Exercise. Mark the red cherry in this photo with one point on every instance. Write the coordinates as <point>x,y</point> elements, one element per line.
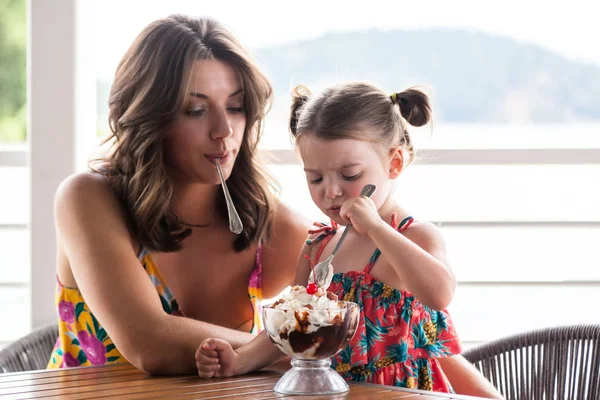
<point>311,288</point>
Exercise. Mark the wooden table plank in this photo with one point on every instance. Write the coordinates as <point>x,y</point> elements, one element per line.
<point>76,384</point>
<point>48,373</point>
<point>387,395</point>
<point>164,391</point>
<point>437,395</point>
<point>199,392</point>
<point>76,390</point>
<point>66,380</point>
<point>356,393</point>
<point>270,395</point>
<point>124,381</point>
<point>148,385</point>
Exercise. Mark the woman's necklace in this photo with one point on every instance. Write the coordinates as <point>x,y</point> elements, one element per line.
<point>195,225</point>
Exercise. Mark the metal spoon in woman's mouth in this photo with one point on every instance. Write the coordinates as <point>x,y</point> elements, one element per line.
<point>235,223</point>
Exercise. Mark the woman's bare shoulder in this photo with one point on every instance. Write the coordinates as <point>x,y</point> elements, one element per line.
<point>83,185</point>
<point>286,216</point>
<point>289,227</point>
<point>87,198</point>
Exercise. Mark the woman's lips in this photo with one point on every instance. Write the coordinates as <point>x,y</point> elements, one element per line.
<point>223,157</point>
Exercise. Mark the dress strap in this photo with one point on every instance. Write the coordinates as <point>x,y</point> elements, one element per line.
<point>404,224</point>
<point>259,252</point>
<point>372,260</point>
<point>400,227</point>
<point>255,293</point>
<point>324,234</point>
<point>142,253</point>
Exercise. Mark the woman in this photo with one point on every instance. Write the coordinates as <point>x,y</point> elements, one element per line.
<point>185,95</point>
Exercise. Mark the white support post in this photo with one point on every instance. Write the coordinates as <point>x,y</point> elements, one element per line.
<point>85,84</point>
<point>61,116</point>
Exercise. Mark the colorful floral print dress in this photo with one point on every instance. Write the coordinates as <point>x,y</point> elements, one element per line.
<point>399,339</point>
<point>83,341</point>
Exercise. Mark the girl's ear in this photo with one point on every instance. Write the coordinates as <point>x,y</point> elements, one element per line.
<point>396,162</point>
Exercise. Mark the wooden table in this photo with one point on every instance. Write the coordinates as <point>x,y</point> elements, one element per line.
<point>125,382</point>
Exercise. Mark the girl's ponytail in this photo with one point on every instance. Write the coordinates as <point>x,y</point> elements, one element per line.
<point>414,106</point>
<point>300,96</point>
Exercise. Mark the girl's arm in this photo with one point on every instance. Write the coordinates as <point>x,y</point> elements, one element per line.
<point>419,258</point>
<point>466,379</point>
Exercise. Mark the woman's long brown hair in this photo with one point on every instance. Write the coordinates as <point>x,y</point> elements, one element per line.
<point>147,95</point>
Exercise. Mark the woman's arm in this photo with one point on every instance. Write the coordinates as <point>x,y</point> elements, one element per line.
<point>256,354</point>
<point>419,259</point>
<point>466,379</point>
<point>261,352</point>
<point>216,358</point>
<point>93,233</point>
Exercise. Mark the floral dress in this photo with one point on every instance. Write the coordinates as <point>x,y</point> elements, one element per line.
<point>83,341</point>
<point>398,339</point>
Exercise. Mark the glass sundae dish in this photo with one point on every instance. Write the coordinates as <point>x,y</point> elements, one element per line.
<point>310,328</point>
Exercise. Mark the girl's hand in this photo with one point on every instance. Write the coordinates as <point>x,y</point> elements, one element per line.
<point>216,358</point>
<point>361,213</point>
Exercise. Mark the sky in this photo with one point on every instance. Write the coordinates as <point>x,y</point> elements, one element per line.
<point>568,28</point>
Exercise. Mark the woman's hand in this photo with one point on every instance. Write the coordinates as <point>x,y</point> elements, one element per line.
<point>361,213</point>
<point>216,358</point>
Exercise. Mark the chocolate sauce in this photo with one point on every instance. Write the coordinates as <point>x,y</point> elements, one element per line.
<point>282,336</point>
<point>301,321</point>
<point>329,338</point>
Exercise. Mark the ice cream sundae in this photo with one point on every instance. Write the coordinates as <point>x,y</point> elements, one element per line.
<point>310,325</point>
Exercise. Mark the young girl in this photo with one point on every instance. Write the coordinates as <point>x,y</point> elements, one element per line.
<point>393,266</point>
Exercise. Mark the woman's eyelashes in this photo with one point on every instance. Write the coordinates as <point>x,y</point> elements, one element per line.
<point>198,112</point>
<point>195,113</point>
<point>236,109</point>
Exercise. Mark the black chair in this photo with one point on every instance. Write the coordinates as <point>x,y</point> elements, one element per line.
<point>552,363</point>
<point>31,352</point>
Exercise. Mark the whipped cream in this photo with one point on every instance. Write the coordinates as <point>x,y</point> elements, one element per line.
<point>304,313</point>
